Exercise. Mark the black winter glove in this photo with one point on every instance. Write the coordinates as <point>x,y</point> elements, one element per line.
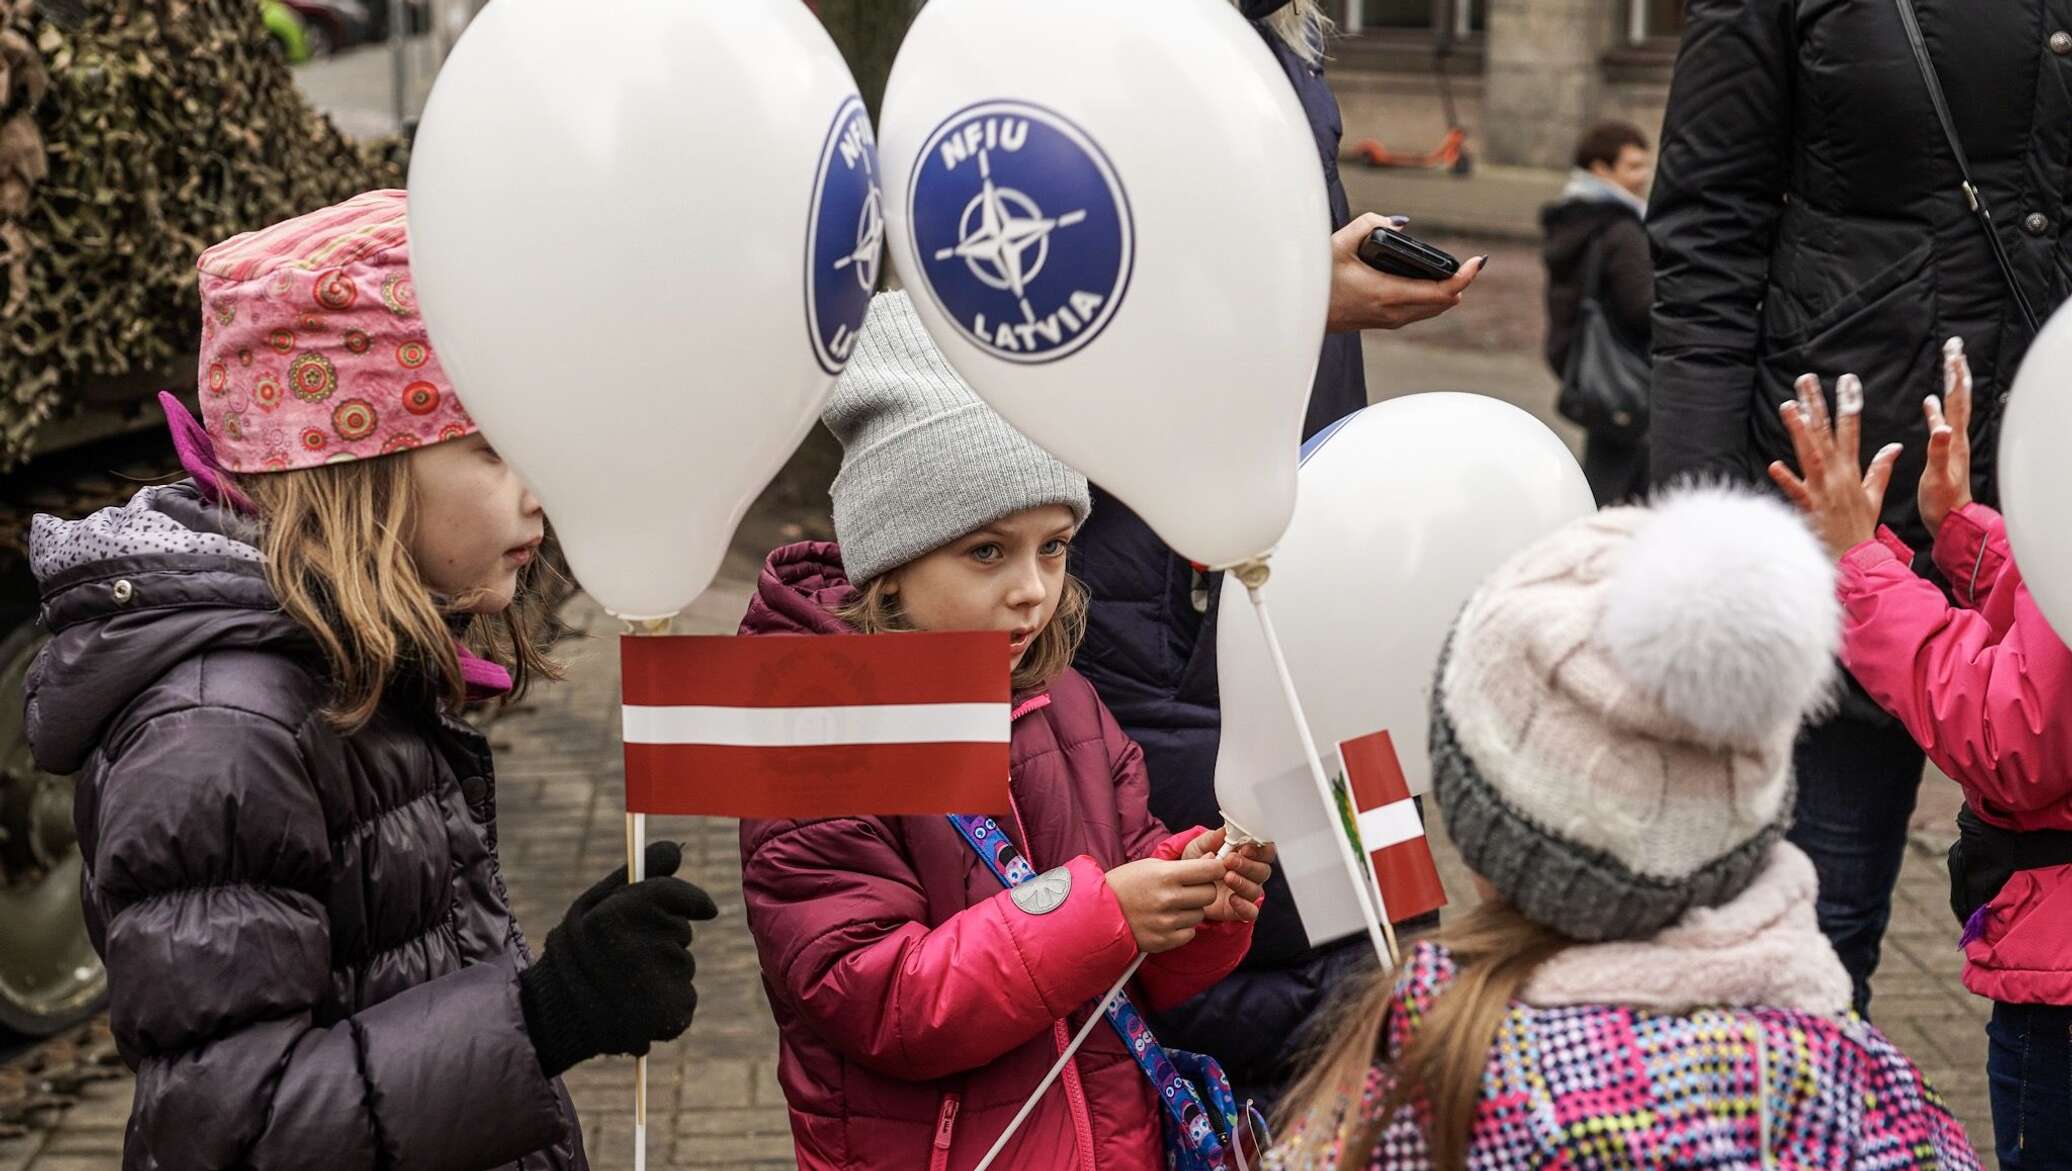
<point>616,976</point>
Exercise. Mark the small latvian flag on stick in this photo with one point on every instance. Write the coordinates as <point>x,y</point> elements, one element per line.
<point>816,726</point>
<point>1390,830</point>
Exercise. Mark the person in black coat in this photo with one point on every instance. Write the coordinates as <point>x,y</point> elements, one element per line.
<point>1150,645</point>
<point>1594,232</point>
<point>1807,217</point>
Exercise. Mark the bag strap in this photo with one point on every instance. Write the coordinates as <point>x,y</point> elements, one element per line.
<point>1977,203</point>
<point>1593,271</point>
<point>1592,293</point>
<point>1182,1103</point>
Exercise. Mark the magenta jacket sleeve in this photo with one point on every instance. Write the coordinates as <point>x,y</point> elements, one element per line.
<point>1978,689</point>
<point>1170,977</point>
<point>1971,551</point>
<point>837,913</point>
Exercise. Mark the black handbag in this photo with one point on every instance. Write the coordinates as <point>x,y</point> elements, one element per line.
<point>1970,191</point>
<point>1604,389</point>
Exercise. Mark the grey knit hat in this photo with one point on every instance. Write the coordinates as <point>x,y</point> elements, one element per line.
<point>1613,719</point>
<point>924,460</point>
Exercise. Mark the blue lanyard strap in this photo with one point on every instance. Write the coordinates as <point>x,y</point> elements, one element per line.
<point>1176,1093</point>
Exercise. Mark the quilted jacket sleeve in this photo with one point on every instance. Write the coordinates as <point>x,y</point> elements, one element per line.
<point>209,860</point>
<point>1712,216</point>
<point>839,919</point>
<point>1971,550</point>
<point>1982,692</point>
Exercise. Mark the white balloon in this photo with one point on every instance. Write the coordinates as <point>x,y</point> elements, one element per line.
<point>1405,507</point>
<point>2035,476</point>
<point>642,244</point>
<point>1113,219</point>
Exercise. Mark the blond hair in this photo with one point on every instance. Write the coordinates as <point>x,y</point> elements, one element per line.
<point>1302,26</point>
<point>336,547</point>
<point>875,610</point>
<point>1496,949</point>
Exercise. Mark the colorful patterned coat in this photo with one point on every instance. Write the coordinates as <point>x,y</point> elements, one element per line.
<point>1610,1086</point>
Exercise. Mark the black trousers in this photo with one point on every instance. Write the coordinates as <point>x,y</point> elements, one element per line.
<point>1617,469</point>
<point>1857,783</point>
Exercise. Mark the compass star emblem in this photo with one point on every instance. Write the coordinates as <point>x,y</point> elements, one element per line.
<point>870,241</point>
<point>1008,224</point>
<point>1019,230</point>
<point>845,234</point>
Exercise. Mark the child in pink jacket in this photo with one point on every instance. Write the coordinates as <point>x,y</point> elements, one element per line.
<point>918,1003</point>
<point>1985,686</point>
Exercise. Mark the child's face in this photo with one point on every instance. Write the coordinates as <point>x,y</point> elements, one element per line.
<point>477,523</point>
<point>1007,576</point>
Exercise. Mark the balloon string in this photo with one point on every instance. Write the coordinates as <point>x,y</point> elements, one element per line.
<point>1373,907</point>
<point>636,870</point>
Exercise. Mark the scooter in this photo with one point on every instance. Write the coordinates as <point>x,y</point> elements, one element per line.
<point>1452,152</point>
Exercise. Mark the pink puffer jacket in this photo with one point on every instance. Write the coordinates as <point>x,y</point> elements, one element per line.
<point>916,1002</point>
<point>1987,690</point>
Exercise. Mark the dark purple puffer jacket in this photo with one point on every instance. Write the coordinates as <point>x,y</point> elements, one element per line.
<point>311,958</point>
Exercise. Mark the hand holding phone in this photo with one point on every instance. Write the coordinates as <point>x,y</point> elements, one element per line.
<point>1399,253</point>
<point>1384,278</point>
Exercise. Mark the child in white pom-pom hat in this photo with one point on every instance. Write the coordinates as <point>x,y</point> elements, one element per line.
<point>1645,983</point>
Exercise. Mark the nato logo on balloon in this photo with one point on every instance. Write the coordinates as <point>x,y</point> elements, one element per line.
<point>846,232</point>
<point>1021,230</point>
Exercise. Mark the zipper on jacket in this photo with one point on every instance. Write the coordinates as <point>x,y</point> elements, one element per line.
<point>945,1128</point>
<point>1075,1098</point>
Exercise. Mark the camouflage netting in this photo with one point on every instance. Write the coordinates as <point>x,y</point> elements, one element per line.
<point>132,136</point>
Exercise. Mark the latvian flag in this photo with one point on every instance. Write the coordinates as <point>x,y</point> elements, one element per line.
<point>816,726</point>
<point>1390,830</point>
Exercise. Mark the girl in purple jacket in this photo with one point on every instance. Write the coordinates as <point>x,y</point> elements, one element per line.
<point>289,834</point>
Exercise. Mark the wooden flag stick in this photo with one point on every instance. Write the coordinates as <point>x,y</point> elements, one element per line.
<point>1373,909</point>
<point>636,870</point>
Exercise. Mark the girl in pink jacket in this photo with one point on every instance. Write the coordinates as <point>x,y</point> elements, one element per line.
<point>1985,686</point>
<point>918,1002</point>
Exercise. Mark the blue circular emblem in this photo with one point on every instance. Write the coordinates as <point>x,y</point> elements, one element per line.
<point>845,236</point>
<point>1021,230</point>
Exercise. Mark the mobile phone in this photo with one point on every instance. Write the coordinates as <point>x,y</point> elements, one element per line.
<point>1402,254</point>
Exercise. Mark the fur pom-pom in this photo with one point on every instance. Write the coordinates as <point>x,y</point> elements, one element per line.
<point>1723,610</point>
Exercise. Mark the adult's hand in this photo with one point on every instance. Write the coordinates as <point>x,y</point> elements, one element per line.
<point>1363,297</point>
<point>1840,499</point>
<point>1946,481</point>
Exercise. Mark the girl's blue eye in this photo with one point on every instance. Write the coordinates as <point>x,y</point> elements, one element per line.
<point>1055,548</point>
<point>987,552</point>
